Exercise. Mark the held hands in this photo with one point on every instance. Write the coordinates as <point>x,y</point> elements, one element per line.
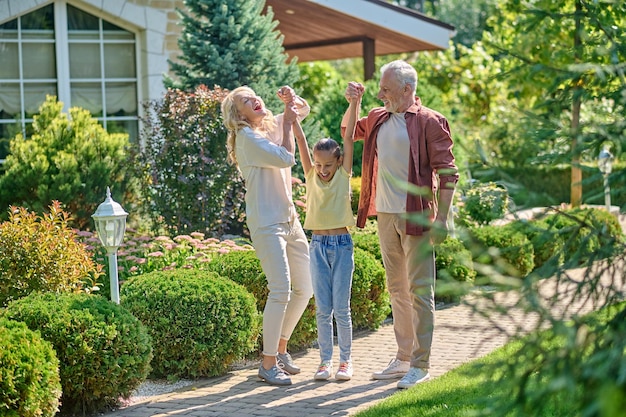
<point>354,91</point>
<point>286,94</point>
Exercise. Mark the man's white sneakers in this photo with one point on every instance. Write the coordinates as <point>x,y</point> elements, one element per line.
<point>413,377</point>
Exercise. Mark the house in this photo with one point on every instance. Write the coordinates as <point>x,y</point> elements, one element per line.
<point>109,56</point>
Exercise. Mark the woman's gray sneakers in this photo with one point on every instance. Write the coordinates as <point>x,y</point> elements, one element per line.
<point>274,376</point>
<point>285,362</point>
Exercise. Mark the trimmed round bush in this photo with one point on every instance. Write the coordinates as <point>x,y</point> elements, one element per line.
<point>485,202</point>
<point>104,352</point>
<point>368,242</point>
<point>200,322</point>
<point>30,385</point>
<point>546,241</point>
<point>587,233</point>
<point>244,267</point>
<point>370,300</point>
<point>510,251</point>
<point>454,266</point>
<point>454,261</point>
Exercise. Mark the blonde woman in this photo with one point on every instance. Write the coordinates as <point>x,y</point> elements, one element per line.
<point>262,146</point>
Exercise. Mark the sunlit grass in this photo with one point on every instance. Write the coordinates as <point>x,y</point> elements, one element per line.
<point>489,386</point>
<point>468,390</point>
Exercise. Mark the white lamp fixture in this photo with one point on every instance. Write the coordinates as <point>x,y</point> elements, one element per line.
<point>110,219</point>
<point>605,164</point>
<point>605,161</point>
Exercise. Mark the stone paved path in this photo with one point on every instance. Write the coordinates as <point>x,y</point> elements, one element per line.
<point>460,336</point>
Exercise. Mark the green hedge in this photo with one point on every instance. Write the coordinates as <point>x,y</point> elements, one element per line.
<point>587,233</point>
<point>200,323</point>
<point>508,251</point>
<point>455,270</point>
<point>483,203</point>
<point>30,385</point>
<point>370,300</point>
<point>547,244</point>
<point>368,242</point>
<point>104,352</point>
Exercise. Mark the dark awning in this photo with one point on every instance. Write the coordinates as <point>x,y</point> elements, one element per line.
<point>320,30</point>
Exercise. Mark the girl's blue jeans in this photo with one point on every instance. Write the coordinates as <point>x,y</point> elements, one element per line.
<point>332,267</point>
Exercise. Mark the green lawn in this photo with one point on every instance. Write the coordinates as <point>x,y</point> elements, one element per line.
<point>487,387</point>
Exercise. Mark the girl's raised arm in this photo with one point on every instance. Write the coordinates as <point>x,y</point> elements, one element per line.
<point>348,135</point>
<point>303,147</point>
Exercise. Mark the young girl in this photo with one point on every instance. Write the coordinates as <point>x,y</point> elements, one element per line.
<point>263,148</point>
<point>329,214</point>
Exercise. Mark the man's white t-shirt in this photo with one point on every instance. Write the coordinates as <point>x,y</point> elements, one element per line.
<point>393,165</point>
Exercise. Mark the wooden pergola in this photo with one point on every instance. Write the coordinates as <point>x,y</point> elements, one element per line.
<point>321,30</point>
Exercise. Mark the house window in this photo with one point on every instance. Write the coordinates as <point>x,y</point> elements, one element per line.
<point>80,58</point>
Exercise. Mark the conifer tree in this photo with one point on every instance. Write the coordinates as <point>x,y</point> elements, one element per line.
<point>567,80</point>
<point>231,43</point>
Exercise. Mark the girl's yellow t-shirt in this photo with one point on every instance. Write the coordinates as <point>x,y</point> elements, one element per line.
<point>328,203</point>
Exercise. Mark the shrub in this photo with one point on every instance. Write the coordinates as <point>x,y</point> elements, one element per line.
<point>369,243</point>
<point>104,352</point>
<point>67,158</point>
<point>587,233</point>
<point>141,253</point>
<point>200,323</point>
<point>186,180</point>
<point>484,203</point>
<point>606,225</point>
<point>370,301</point>
<point>547,244</point>
<point>29,373</point>
<point>454,267</point>
<point>41,253</point>
<point>454,261</point>
<point>244,268</point>
<point>511,252</point>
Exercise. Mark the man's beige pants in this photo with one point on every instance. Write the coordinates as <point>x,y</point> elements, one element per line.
<point>410,267</point>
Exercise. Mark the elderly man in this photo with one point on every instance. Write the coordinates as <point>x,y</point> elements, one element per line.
<point>406,147</point>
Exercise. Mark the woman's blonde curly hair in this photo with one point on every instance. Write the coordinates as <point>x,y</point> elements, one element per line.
<point>234,122</point>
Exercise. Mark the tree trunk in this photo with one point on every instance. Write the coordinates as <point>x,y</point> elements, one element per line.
<point>577,175</point>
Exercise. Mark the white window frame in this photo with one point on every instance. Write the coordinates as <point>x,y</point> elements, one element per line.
<point>63,81</point>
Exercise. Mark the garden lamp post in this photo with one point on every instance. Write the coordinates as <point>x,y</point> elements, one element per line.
<point>605,164</point>
<point>110,219</point>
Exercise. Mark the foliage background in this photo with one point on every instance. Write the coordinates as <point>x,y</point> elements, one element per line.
<point>187,185</point>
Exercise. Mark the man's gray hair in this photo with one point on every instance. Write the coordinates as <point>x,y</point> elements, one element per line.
<point>405,73</point>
